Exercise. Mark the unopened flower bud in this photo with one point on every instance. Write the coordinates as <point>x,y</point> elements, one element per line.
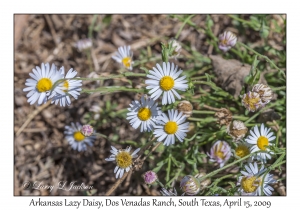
<point>186,107</point>
<point>150,177</point>
<point>87,130</point>
<point>226,41</point>
<point>176,46</point>
<point>237,130</point>
<point>204,183</point>
<point>190,185</point>
<point>264,92</point>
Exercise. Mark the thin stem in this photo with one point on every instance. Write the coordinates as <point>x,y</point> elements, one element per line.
<point>112,89</point>
<point>227,166</point>
<point>256,114</point>
<point>263,56</point>
<point>203,112</point>
<point>185,21</point>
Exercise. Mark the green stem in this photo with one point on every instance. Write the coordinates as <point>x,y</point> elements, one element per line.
<point>126,74</point>
<point>185,21</point>
<point>256,114</point>
<point>112,89</point>
<point>227,166</point>
<point>263,56</point>
<point>203,112</point>
<point>169,168</point>
<point>91,27</point>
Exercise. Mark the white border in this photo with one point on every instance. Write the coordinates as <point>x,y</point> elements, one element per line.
<point>8,8</point>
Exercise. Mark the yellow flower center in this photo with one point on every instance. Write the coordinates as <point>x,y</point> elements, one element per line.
<point>123,159</point>
<point>251,102</point>
<point>242,151</point>
<point>250,184</point>
<point>78,136</point>
<point>44,85</point>
<point>224,41</point>
<point>126,62</point>
<point>144,114</point>
<point>262,142</point>
<point>171,127</point>
<point>219,154</point>
<point>66,86</point>
<point>166,83</point>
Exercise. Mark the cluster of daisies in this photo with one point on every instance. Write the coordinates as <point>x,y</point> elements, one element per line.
<point>252,181</point>
<point>49,83</point>
<point>163,80</point>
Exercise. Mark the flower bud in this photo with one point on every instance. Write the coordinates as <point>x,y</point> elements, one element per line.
<point>186,107</point>
<point>87,130</point>
<point>204,183</point>
<point>176,46</point>
<point>237,130</point>
<point>190,185</point>
<point>226,41</point>
<point>150,177</point>
<point>83,44</point>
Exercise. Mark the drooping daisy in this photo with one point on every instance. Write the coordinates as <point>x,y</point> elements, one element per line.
<point>259,140</point>
<point>144,113</point>
<point>237,130</point>
<point>220,152</point>
<point>76,139</point>
<point>123,159</point>
<point>43,80</point>
<point>171,127</point>
<point>164,80</point>
<point>190,185</point>
<point>124,56</point>
<point>66,88</point>
<point>254,181</point>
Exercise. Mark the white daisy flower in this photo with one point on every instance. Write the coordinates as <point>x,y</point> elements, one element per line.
<point>259,140</point>
<point>254,181</point>
<point>65,89</point>
<point>76,139</point>
<point>171,126</point>
<point>123,160</point>
<point>164,80</point>
<point>43,80</point>
<point>143,113</point>
<point>124,56</point>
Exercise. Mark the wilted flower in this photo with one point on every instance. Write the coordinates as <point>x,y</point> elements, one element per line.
<point>226,41</point>
<point>87,130</point>
<point>83,44</point>
<point>264,92</point>
<point>252,101</point>
<point>166,192</point>
<point>254,181</point>
<point>237,130</point>
<point>190,185</point>
<point>220,153</point>
<point>150,177</point>
<point>224,116</point>
<point>176,46</point>
<point>185,107</point>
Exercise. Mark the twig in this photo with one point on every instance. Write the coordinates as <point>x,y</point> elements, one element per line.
<point>115,186</point>
<point>48,19</point>
<point>30,117</point>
